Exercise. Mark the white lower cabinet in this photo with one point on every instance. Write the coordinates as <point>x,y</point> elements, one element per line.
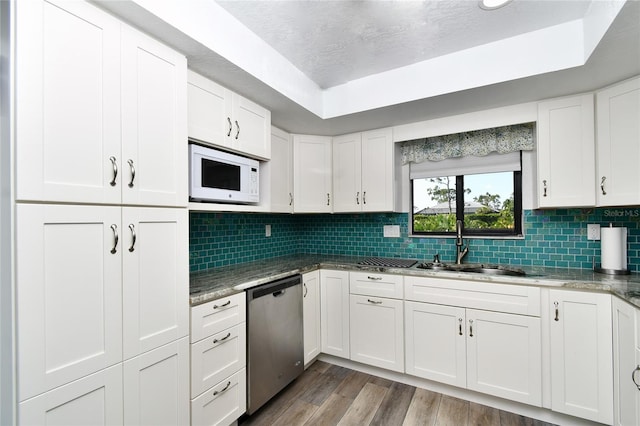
<point>490,352</point>
<point>376,330</point>
<point>581,357</point>
<point>626,364</point>
<point>334,312</point>
<point>96,399</point>
<point>311,315</point>
<point>218,361</point>
<point>156,386</point>
<point>223,404</point>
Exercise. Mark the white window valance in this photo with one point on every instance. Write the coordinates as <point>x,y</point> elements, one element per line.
<point>491,163</point>
<point>479,143</point>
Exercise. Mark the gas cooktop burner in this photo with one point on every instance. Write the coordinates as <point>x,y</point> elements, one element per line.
<point>389,263</point>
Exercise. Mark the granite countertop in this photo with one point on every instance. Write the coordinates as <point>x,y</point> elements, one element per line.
<point>224,281</point>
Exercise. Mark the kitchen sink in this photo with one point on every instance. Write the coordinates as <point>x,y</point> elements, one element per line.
<point>475,268</point>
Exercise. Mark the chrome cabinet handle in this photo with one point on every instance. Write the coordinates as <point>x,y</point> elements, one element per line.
<point>114,228</point>
<point>374,278</point>
<point>115,170</point>
<point>364,197</point>
<point>304,286</point>
<point>602,185</point>
<point>133,172</point>
<point>223,339</point>
<point>238,131</point>
<point>328,199</point>
<point>230,127</point>
<point>133,237</point>
<point>290,199</point>
<point>544,185</point>
<point>470,328</point>
<point>223,305</point>
<point>633,376</point>
<point>460,326</point>
<point>222,390</point>
<point>557,318</point>
<point>358,198</point>
<point>375,302</point>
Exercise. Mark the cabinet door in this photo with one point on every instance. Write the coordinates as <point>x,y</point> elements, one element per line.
<point>156,386</point>
<point>377,171</point>
<point>312,174</point>
<point>334,312</point>
<point>68,103</point>
<point>281,172</point>
<point>251,128</point>
<point>311,315</point>
<point>626,396</point>
<point>581,359</point>
<point>436,342</point>
<point>618,147</point>
<point>377,331</point>
<point>208,111</point>
<point>504,355</point>
<point>155,278</point>
<point>69,293</point>
<point>154,122</point>
<point>347,184</point>
<point>92,400</point>
<point>566,152</point>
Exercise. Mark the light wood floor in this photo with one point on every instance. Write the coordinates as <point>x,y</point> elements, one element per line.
<point>330,395</point>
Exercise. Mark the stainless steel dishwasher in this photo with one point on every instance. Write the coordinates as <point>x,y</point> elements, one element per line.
<point>275,353</point>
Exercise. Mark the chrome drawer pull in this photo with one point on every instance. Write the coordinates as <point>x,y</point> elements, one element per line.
<point>115,171</point>
<point>557,318</point>
<point>460,326</point>
<point>223,339</point>
<point>633,377</point>
<point>222,390</point>
<point>602,185</point>
<point>133,172</point>
<point>375,302</point>
<point>133,237</point>
<point>223,305</point>
<point>374,278</point>
<point>238,127</point>
<point>114,228</point>
<point>470,328</point>
<point>230,127</point>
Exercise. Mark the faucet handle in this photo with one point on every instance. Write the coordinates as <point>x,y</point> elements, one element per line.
<point>436,258</point>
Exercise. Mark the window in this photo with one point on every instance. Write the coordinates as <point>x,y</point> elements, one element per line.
<point>489,201</point>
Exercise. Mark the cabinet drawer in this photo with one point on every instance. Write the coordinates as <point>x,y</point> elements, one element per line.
<point>508,298</point>
<point>223,404</point>
<point>380,285</point>
<point>217,357</point>
<point>218,315</point>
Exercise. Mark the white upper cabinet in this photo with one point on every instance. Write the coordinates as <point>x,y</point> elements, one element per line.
<point>220,117</point>
<point>100,110</point>
<point>347,173</point>
<point>154,135</point>
<point>280,172</point>
<point>68,103</point>
<point>363,172</point>
<point>566,152</point>
<point>618,144</point>
<point>377,171</point>
<point>312,174</point>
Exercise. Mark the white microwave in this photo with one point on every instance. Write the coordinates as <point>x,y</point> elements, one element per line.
<point>222,177</point>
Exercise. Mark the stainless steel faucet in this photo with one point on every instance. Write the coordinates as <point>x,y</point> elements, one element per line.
<point>460,252</point>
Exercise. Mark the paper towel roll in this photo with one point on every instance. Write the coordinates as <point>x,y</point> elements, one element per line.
<point>613,252</point>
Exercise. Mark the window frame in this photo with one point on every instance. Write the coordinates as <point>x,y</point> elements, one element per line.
<point>517,230</point>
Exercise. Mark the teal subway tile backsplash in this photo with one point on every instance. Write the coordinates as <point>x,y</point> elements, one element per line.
<point>554,238</point>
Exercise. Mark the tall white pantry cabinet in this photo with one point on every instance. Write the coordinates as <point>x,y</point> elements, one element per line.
<point>102,225</point>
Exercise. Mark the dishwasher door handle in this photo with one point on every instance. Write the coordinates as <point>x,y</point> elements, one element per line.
<point>279,293</point>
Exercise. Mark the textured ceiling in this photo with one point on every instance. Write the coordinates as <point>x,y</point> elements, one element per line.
<point>334,42</point>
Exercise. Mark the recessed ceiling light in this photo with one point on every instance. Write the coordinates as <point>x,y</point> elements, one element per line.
<point>492,4</point>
